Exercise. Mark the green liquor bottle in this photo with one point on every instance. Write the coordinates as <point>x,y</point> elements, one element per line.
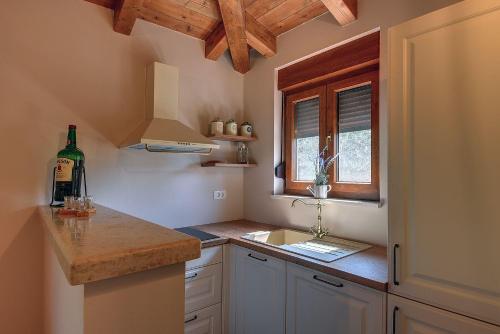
<point>69,168</point>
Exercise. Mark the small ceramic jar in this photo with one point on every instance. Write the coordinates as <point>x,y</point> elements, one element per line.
<point>246,129</point>
<point>217,127</point>
<point>231,128</point>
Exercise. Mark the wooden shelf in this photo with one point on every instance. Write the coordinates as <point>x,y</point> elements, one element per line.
<point>232,138</point>
<point>225,164</point>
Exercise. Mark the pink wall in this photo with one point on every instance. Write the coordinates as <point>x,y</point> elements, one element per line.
<point>61,63</point>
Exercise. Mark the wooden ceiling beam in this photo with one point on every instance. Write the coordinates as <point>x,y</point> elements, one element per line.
<point>126,12</point>
<point>233,16</point>
<point>216,43</point>
<point>345,11</point>
<point>259,37</point>
<point>173,23</point>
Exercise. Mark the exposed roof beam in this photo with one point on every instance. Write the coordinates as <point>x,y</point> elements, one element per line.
<point>234,22</point>
<point>345,11</point>
<point>216,43</point>
<point>126,12</point>
<point>259,37</point>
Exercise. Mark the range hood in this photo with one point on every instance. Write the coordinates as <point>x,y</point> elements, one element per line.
<point>161,131</point>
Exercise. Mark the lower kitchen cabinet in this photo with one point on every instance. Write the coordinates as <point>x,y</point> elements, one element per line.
<point>322,304</point>
<point>205,321</point>
<point>203,287</point>
<point>203,293</point>
<point>406,316</point>
<point>257,298</point>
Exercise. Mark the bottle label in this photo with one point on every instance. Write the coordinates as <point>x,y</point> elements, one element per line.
<point>64,170</point>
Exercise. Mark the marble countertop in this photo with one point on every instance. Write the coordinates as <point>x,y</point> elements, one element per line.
<point>368,268</point>
<point>110,244</point>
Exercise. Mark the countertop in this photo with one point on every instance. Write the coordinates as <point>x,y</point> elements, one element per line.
<point>111,244</point>
<point>368,268</point>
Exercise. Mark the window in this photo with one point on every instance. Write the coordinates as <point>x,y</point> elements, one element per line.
<point>342,114</point>
<point>332,99</point>
<point>354,107</point>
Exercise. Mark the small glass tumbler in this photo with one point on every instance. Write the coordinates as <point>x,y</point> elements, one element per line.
<point>69,202</point>
<point>88,202</point>
<point>79,204</point>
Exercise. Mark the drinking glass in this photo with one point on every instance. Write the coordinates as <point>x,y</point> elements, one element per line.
<point>88,202</point>
<point>69,202</point>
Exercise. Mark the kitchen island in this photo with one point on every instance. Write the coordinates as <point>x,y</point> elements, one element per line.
<point>113,273</point>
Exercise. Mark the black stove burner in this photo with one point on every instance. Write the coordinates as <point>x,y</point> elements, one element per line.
<point>203,236</point>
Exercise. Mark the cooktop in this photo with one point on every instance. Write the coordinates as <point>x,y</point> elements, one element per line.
<point>203,236</point>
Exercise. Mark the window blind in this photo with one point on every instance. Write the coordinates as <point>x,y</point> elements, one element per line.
<point>355,109</point>
<point>307,118</point>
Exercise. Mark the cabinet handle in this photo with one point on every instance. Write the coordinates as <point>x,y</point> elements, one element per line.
<point>192,319</point>
<point>394,314</point>
<point>257,258</point>
<point>192,276</point>
<point>394,264</point>
<point>337,285</point>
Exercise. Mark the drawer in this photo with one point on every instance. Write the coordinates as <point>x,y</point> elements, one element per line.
<point>209,256</point>
<point>204,321</point>
<point>203,287</point>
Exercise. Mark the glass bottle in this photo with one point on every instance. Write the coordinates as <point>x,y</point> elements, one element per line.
<point>69,168</point>
<point>242,154</point>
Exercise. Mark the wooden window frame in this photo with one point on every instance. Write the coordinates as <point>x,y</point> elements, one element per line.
<point>292,186</point>
<point>366,191</point>
<point>327,92</point>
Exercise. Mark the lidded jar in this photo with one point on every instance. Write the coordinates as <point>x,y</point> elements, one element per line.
<point>231,128</point>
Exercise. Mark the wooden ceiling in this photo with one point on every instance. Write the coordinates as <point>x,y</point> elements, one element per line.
<point>233,24</point>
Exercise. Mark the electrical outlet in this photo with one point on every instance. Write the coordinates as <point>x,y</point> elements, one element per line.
<point>219,194</point>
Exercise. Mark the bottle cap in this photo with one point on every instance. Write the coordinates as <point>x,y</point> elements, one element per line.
<point>72,126</point>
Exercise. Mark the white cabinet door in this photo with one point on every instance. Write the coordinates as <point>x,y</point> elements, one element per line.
<point>258,284</point>
<point>322,304</point>
<point>203,287</point>
<point>444,159</point>
<point>205,321</point>
<point>409,317</point>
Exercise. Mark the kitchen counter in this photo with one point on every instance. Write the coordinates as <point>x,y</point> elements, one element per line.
<point>367,268</point>
<point>111,244</point>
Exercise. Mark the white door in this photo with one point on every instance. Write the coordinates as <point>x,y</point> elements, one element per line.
<point>444,159</point>
<point>322,304</point>
<point>409,317</point>
<point>257,297</point>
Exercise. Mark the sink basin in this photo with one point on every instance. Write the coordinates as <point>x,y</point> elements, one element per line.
<point>327,249</point>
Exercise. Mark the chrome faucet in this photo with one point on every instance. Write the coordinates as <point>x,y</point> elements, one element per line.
<point>317,230</point>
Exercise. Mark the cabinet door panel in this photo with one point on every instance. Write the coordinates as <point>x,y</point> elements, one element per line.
<point>257,293</point>
<point>444,161</point>
<point>203,287</point>
<point>205,321</point>
<point>321,304</point>
<point>414,318</point>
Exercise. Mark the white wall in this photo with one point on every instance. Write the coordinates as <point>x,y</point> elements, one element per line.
<point>61,63</point>
<point>263,109</point>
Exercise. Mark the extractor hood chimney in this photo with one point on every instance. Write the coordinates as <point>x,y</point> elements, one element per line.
<point>162,131</point>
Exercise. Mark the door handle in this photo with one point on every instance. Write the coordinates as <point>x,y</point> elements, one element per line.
<point>192,319</point>
<point>394,264</point>
<point>335,284</point>
<point>394,314</point>
<point>257,258</point>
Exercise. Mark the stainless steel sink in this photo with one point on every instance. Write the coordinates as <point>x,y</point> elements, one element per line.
<point>327,249</point>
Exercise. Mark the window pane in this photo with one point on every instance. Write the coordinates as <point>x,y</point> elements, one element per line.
<point>307,150</point>
<point>354,110</point>
<point>306,138</point>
